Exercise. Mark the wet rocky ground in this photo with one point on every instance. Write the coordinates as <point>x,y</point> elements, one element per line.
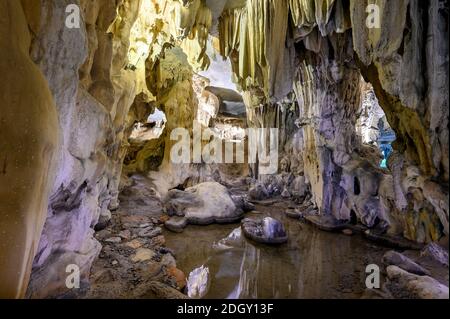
<point>142,259</point>
<point>134,261</point>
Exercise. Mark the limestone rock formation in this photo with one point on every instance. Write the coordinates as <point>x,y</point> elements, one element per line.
<point>335,47</point>
<point>266,231</point>
<point>203,204</point>
<point>28,145</point>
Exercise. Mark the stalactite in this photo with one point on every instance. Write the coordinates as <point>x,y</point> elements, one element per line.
<point>254,36</point>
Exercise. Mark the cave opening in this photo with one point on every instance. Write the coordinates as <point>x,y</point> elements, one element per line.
<point>151,129</point>
<point>373,126</point>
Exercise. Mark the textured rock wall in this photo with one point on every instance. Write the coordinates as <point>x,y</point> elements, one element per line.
<point>255,38</point>
<point>405,61</point>
<point>97,74</point>
<point>28,144</point>
<point>92,93</point>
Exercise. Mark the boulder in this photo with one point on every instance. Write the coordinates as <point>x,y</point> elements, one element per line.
<point>178,201</point>
<point>258,192</point>
<point>204,204</point>
<point>403,284</point>
<point>265,231</point>
<point>325,222</point>
<point>178,276</point>
<point>242,202</point>
<point>176,224</point>
<point>403,262</point>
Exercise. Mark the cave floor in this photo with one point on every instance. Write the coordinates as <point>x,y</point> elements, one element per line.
<point>141,259</point>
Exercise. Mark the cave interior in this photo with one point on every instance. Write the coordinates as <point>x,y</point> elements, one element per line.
<point>98,96</point>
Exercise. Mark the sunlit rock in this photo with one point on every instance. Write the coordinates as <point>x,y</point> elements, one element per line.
<point>203,204</point>
<point>265,231</point>
<point>234,239</point>
<point>198,282</point>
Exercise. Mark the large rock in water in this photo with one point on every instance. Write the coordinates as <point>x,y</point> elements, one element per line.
<point>266,231</point>
<point>258,192</point>
<point>233,240</point>
<point>203,204</point>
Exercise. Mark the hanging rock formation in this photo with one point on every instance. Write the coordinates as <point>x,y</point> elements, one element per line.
<point>333,47</point>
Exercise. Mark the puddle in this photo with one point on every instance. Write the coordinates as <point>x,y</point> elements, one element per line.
<point>313,264</point>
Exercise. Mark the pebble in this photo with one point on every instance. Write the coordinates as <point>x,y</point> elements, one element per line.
<point>135,244</point>
<point>178,275</point>
<point>168,260</point>
<point>114,240</point>
<point>125,234</point>
<point>158,241</point>
<point>347,232</point>
<point>163,219</point>
<point>150,232</point>
<point>142,254</point>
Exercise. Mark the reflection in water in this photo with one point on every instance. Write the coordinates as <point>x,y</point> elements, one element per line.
<point>313,264</point>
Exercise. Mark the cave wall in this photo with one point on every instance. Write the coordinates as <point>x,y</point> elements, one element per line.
<point>405,60</point>
<point>28,147</point>
<point>97,73</point>
<point>92,93</point>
